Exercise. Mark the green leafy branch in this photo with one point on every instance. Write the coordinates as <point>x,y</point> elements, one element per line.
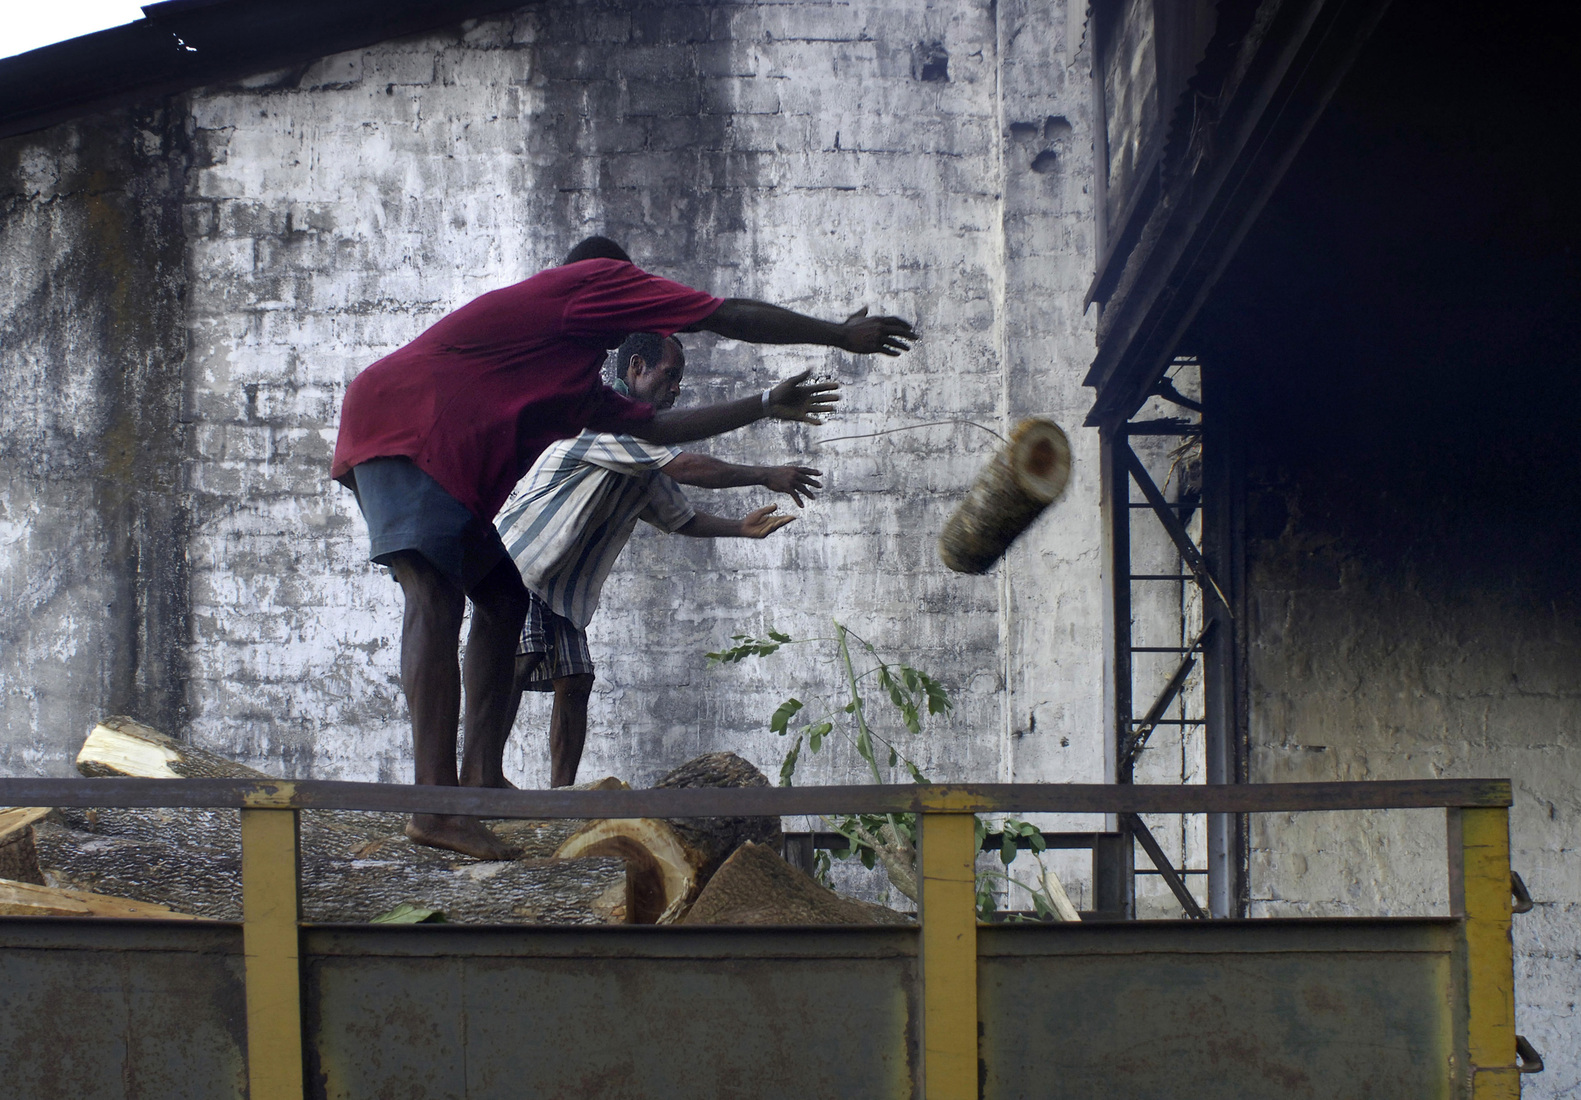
<point>890,839</point>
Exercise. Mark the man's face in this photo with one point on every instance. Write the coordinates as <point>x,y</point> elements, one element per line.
<point>658,384</point>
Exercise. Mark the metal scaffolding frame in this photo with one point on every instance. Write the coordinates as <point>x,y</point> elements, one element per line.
<point>1216,645</point>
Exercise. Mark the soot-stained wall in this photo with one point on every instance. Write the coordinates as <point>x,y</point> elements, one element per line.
<point>1397,345</point>
<point>929,160</point>
<point>93,517</point>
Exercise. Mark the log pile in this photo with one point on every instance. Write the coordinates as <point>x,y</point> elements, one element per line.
<point>756,886</point>
<point>357,866</point>
<point>669,861</point>
<point>1026,475</point>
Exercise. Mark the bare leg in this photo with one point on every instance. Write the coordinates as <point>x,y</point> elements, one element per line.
<point>499,608</point>
<point>430,634</point>
<point>568,727</point>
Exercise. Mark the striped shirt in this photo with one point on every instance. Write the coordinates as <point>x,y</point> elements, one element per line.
<point>568,520</point>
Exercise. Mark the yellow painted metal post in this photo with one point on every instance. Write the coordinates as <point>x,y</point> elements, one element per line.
<point>948,844</point>
<point>270,937</point>
<point>1480,892</point>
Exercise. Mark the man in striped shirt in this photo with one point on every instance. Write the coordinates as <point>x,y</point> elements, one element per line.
<point>569,518</point>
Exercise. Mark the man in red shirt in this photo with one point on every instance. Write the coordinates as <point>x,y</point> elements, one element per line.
<point>434,436</point>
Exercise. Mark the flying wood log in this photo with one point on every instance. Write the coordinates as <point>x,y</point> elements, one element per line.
<point>1025,476</point>
<point>756,886</point>
<point>354,865</point>
<point>669,861</point>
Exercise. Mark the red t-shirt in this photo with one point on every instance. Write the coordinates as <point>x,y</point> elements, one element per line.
<point>476,398</point>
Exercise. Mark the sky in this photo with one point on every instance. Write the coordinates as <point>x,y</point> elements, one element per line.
<point>29,24</point>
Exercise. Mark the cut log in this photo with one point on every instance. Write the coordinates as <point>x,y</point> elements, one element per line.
<point>26,899</point>
<point>125,747</point>
<point>756,886</point>
<point>714,838</point>
<point>669,861</point>
<point>661,869</point>
<point>1024,477</point>
<point>18,852</point>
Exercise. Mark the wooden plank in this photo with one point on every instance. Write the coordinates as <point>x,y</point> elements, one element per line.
<point>27,899</point>
<point>1102,798</point>
<point>948,911</point>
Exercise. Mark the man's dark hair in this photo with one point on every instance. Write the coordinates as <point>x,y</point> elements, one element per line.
<point>649,345</point>
<point>596,248</point>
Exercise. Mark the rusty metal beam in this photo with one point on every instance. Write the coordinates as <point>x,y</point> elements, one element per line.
<point>1166,870</point>
<point>1097,798</point>
<point>1176,530</point>
<point>1143,729</point>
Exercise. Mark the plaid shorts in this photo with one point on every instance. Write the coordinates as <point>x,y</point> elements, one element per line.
<point>562,644</point>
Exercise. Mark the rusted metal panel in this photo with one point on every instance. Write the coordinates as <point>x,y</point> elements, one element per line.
<point>1227,1010</point>
<point>121,1010</point>
<point>611,1013</point>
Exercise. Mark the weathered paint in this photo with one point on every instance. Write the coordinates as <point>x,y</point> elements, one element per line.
<point>947,849</point>
<point>1480,892</point>
<point>1221,1010</point>
<point>270,937</point>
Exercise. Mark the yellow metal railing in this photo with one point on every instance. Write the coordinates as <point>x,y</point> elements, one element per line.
<point>1478,843</point>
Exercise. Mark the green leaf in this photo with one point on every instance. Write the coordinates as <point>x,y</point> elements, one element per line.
<point>916,773</point>
<point>778,637</point>
<point>783,715</point>
<point>867,857</point>
<point>910,676</point>
<point>788,765</point>
<point>409,914</point>
<point>894,757</point>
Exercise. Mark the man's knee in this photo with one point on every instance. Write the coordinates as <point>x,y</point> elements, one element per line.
<point>430,595</point>
<point>576,689</point>
<point>501,596</point>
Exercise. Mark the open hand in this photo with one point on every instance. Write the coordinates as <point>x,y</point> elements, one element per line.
<point>794,481</point>
<point>764,522</point>
<point>866,335</point>
<point>798,399</point>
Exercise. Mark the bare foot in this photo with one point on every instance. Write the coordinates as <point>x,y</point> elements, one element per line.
<point>466,835</point>
<point>470,780</point>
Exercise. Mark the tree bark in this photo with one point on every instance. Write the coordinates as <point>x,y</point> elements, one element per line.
<point>355,865</point>
<point>1024,477</point>
<point>714,838</point>
<point>18,852</point>
<point>191,860</point>
<point>756,886</point>
<point>669,860</point>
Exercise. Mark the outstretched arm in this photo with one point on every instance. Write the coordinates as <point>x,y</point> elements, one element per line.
<point>793,399</point>
<point>711,473</point>
<point>754,525</point>
<point>761,323</point>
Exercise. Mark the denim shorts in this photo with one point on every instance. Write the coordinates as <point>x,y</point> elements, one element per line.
<point>408,510</point>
